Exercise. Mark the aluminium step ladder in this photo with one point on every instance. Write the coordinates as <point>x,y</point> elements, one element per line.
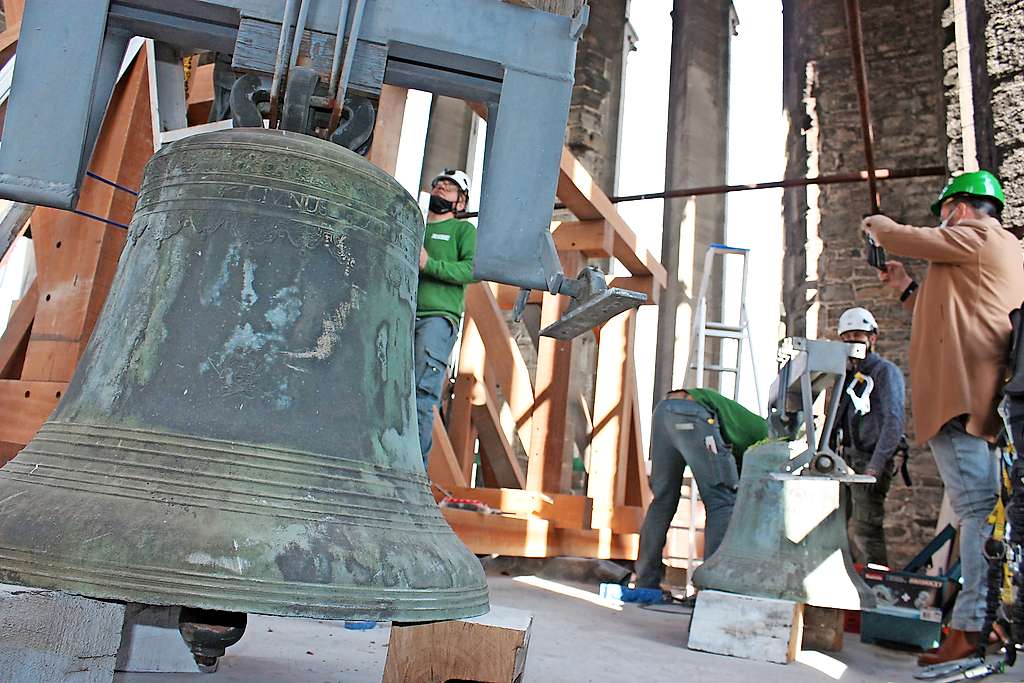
<point>696,368</point>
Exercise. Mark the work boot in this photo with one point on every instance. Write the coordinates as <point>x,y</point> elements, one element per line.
<point>957,645</point>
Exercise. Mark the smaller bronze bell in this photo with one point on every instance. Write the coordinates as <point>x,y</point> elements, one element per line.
<point>786,539</point>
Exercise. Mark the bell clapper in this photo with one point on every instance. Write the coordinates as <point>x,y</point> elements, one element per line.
<point>208,633</point>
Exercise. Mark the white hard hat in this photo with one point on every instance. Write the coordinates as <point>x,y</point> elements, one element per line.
<point>456,176</point>
<point>859,319</point>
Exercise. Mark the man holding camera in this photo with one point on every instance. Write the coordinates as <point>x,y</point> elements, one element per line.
<point>958,348</point>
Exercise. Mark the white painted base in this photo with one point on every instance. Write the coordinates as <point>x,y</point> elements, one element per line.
<point>151,642</point>
<point>743,626</point>
<point>54,637</point>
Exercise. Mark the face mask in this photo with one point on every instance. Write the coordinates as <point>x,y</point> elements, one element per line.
<point>854,362</point>
<point>440,205</point>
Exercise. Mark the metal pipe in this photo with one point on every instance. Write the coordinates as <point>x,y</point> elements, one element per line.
<point>860,71</point>
<point>346,67</point>
<point>336,62</point>
<point>282,56</point>
<point>300,28</point>
<point>836,179</point>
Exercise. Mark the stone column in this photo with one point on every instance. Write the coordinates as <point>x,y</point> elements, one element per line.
<point>695,156</point>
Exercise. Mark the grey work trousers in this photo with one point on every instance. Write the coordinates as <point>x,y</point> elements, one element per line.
<point>433,341</point>
<point>683,432</point>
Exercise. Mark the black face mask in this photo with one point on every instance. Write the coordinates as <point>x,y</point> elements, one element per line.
<point>440,205</point>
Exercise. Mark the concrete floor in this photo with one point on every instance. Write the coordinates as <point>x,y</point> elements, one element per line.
<point>573,640</point>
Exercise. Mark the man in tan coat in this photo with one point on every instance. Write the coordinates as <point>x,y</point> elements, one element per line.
<point>958,349</point>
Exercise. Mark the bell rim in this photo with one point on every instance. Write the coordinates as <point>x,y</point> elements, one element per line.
<point>295,599</point>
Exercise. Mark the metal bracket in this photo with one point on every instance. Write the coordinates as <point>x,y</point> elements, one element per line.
<point>527,91</point>
<point>813,366</point>
<point>520,305</point>
<point>594,303</point>
<point>580,21</point>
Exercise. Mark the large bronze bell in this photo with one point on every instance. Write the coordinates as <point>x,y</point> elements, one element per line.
<point>786,539</point>
<point>240,434</point>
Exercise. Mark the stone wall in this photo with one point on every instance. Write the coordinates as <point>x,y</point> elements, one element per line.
<point>1004,40</point>
<point>903,48</point>
<point>996,35</point>
<point>593,129</point>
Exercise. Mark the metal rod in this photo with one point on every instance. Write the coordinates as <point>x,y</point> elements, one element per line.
<point>807,402</point>
<point>833,411</point>
<point>861,73</point>
<point>837,179</point>
<point>346,66</point>
<point>99,218</point>
<point>282,56</point>
<point>118,186</point>
<point>336,62</point>
<point>300,27</point>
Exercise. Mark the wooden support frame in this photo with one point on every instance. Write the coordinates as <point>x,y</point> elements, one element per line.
<point>24,407</point>
<point>387,131</point>
<point>593,239</point>
<point>535,537</point>
<point>613,410</point>
<point>606,521</point>
<point>546,471</point>
<point>444,468</point>
<point>581,195</point>
<point>564,511</point>
<point>501,467</point>
<point>200,94</point>
<point>76,258</point>
<point>15,338</point>
<point>504,369</point>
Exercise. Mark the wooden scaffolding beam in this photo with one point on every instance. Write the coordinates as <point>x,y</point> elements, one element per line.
<point>76,258</point>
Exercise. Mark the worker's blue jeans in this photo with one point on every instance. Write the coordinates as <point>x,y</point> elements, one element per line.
<point>433,341</point>
<point>683,432</point>
<point>969,470</point>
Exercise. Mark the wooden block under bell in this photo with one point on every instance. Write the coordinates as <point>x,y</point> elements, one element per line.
<point>762,629</point>
<point>489,648</point>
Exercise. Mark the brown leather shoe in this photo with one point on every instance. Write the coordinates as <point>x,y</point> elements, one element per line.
<point>957,645</point>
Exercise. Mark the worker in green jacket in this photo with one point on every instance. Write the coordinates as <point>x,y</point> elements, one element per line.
<point>446,267</point>
<point>709,432</point>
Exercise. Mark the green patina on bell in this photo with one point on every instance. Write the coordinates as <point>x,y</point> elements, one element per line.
<point>240,434</point>
<point>786,539</point>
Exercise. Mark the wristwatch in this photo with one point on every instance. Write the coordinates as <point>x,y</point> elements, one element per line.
<point>911,288</point>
